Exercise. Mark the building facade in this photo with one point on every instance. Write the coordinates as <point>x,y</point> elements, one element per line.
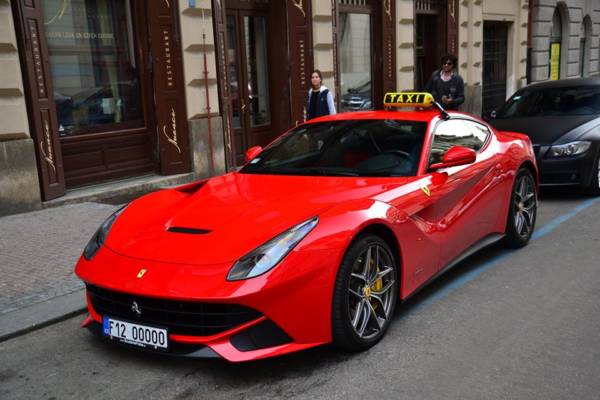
<point>565,39</point>
<point>99,91</point>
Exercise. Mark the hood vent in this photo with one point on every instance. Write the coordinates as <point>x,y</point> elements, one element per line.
<point>191,231</point>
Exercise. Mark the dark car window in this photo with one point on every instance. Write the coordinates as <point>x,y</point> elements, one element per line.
<point>581,100</point>
<point>345,148</point>
<point>457,132</point>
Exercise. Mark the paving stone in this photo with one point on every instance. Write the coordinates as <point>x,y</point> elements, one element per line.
<point>38,251</point>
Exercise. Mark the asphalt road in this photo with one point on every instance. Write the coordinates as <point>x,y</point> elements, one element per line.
<point>502,325</point>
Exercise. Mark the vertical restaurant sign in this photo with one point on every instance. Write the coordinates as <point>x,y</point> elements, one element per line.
<point>37,59</point>
<point>302,55</point>
<point>168,59</point>
<point>554,61</point>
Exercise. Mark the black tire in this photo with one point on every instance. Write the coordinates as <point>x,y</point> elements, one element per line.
<point>593,189</point>
<point>522,210</point>
<point>377,291</point>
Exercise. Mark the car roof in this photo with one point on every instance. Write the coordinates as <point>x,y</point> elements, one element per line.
<point>416,115</point>
<point>561,83</point>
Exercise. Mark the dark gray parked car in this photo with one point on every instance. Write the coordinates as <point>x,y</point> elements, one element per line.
<point>562,118</point>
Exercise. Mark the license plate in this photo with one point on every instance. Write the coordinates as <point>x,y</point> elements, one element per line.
<point>135,334</point>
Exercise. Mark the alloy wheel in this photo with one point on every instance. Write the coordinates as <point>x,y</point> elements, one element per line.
<point>525,203</point>
<point>371,291</point>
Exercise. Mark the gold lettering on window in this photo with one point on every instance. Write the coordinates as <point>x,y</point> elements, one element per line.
<point>60,13</point>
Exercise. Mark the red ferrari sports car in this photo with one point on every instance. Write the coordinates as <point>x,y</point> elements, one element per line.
<point>315,240</point>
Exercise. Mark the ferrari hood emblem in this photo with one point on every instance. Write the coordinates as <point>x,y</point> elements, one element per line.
<point>141,273</point>
<point>426,190</point>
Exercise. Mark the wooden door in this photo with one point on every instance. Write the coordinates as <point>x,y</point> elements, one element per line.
<point>223,62</point>
<point>427,48</point>
<point>436,33</point>
<point>365,34</point>
<point>100,75</point>
<point>249,83</point>
<point>495,43</point>
<point>40,97</point>
<point>102,90</point>
<point>168,86</point>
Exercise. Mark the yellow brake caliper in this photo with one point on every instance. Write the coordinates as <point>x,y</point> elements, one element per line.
<point>376,287</point>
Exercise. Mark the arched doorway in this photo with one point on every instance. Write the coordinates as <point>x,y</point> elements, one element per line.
<point>559,42</point>
<point>584,46</point>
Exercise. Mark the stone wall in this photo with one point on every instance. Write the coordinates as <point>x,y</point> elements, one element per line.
<point>470,52</point>
<point>322,23</point>
<point>201,141</point>
<point>197,40</point>
<point>573,13</point>
<point>405,45</point>
<point>515,14</point>
<point>19,186</point>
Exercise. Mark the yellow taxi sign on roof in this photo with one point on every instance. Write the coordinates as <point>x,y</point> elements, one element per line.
<point>408,99</point>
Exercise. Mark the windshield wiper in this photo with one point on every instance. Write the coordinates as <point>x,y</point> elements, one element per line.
<point>319,171</point>
<point>329,172</point>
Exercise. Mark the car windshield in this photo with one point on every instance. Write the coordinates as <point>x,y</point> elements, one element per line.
<point>559,101</point>
<point>344,148</point>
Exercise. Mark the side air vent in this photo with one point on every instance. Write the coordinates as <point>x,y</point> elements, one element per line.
<point>191,188</point>
<point>190,231</point>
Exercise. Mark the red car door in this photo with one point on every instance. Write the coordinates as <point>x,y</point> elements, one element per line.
<point>464,199</point>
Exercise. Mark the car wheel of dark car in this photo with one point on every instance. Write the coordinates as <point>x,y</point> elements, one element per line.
<point>593,189</point>
<point>365,294</point>
<point>522,209</point>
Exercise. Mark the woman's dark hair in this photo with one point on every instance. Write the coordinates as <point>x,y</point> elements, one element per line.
<point>450,57</point>
<point>318,72</point>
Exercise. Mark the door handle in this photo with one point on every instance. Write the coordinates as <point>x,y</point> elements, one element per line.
<point>243,106</point>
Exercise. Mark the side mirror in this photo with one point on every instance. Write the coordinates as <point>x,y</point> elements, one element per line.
<point>252,152</point>
<point>455,156</point>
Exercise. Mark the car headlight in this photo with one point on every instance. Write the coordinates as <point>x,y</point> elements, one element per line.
<point>100,236</point>
<point>569,149</point>
<point>265,257</point>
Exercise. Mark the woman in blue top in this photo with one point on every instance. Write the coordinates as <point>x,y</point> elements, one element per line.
<point>446,85</point>
<point>320,100</point>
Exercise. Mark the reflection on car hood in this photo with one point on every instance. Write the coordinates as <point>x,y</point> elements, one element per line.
<point>543,130</point>
<point>233,215</point>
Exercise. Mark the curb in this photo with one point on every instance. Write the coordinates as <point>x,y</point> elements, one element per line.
<point>37,316</point>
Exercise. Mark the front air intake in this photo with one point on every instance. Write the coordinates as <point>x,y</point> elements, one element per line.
<point>180,317</point>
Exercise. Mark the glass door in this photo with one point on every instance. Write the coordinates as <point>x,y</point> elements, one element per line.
<point>248,79</point>
<point>356,61</point>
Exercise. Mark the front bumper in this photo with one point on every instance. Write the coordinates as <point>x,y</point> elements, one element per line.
<point>566,171</point>
<point>288,309</point>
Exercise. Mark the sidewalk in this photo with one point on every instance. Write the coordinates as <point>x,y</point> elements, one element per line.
<point>38,252</point>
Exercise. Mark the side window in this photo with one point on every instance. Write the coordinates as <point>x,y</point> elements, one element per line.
<point>480,135</point>
<point>457,132</point>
